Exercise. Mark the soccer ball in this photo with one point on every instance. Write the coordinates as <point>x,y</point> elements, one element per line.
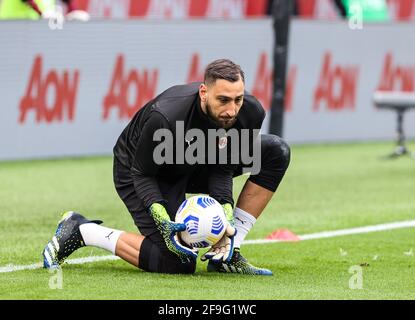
<point>204,219</point>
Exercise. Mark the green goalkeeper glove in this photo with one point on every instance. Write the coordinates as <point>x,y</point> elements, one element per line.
<point>228,210</point>
<point>168,230</point>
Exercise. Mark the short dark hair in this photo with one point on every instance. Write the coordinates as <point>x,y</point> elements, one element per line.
<point>223,69</point>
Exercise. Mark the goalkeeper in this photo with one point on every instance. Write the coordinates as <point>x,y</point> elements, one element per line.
<point>152,192</point>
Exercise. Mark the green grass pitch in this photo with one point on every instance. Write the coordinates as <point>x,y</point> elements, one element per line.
<point>327,187</point>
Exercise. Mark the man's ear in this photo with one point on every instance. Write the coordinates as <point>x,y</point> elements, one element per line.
<point>203,92</point>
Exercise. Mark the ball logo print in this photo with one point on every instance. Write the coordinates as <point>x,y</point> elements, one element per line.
<point>204,219</point>
<point>192,224</point>
<point>217,225</point>
<point>204,202</point>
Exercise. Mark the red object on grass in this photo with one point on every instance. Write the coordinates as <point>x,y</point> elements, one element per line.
<point>283,235</point>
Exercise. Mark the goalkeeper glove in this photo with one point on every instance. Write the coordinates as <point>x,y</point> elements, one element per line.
<point>168,230</point>
<point>223,249</point>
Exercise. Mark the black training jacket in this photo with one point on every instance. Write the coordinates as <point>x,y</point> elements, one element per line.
<point>135,146</point>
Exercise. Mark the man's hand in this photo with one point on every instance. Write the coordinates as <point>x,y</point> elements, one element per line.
<point>168,230</point>
<point>223,250</point>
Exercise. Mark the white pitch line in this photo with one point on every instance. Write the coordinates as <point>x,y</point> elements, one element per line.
<point>13,268</point>
<point>312,236</point>
<point>344,232</point>
<point>91,259</point>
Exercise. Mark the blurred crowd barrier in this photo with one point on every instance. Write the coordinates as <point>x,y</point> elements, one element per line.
<point>395,10</point>
<point>177,9</point>
<point>71,91</point>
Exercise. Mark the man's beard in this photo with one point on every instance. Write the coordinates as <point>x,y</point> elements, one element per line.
<point>224,123</point>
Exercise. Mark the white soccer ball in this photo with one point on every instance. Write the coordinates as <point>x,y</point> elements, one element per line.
<point>204,219</point>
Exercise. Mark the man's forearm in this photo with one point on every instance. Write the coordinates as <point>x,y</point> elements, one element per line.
<point>146,188</point>
<point>220,187</point>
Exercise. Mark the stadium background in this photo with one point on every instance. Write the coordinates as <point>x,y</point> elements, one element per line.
<point>91,78</point>
<point>69,92</point>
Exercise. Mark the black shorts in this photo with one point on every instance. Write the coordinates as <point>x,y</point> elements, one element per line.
<point>275,157</point>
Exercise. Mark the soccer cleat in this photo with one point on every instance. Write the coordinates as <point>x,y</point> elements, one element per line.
<point>66,240</point>
<point>238,264</point>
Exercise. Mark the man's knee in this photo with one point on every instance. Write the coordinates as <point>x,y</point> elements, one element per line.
<point>155,257</point>
<point>275,158</point>
<point>276,151</point>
